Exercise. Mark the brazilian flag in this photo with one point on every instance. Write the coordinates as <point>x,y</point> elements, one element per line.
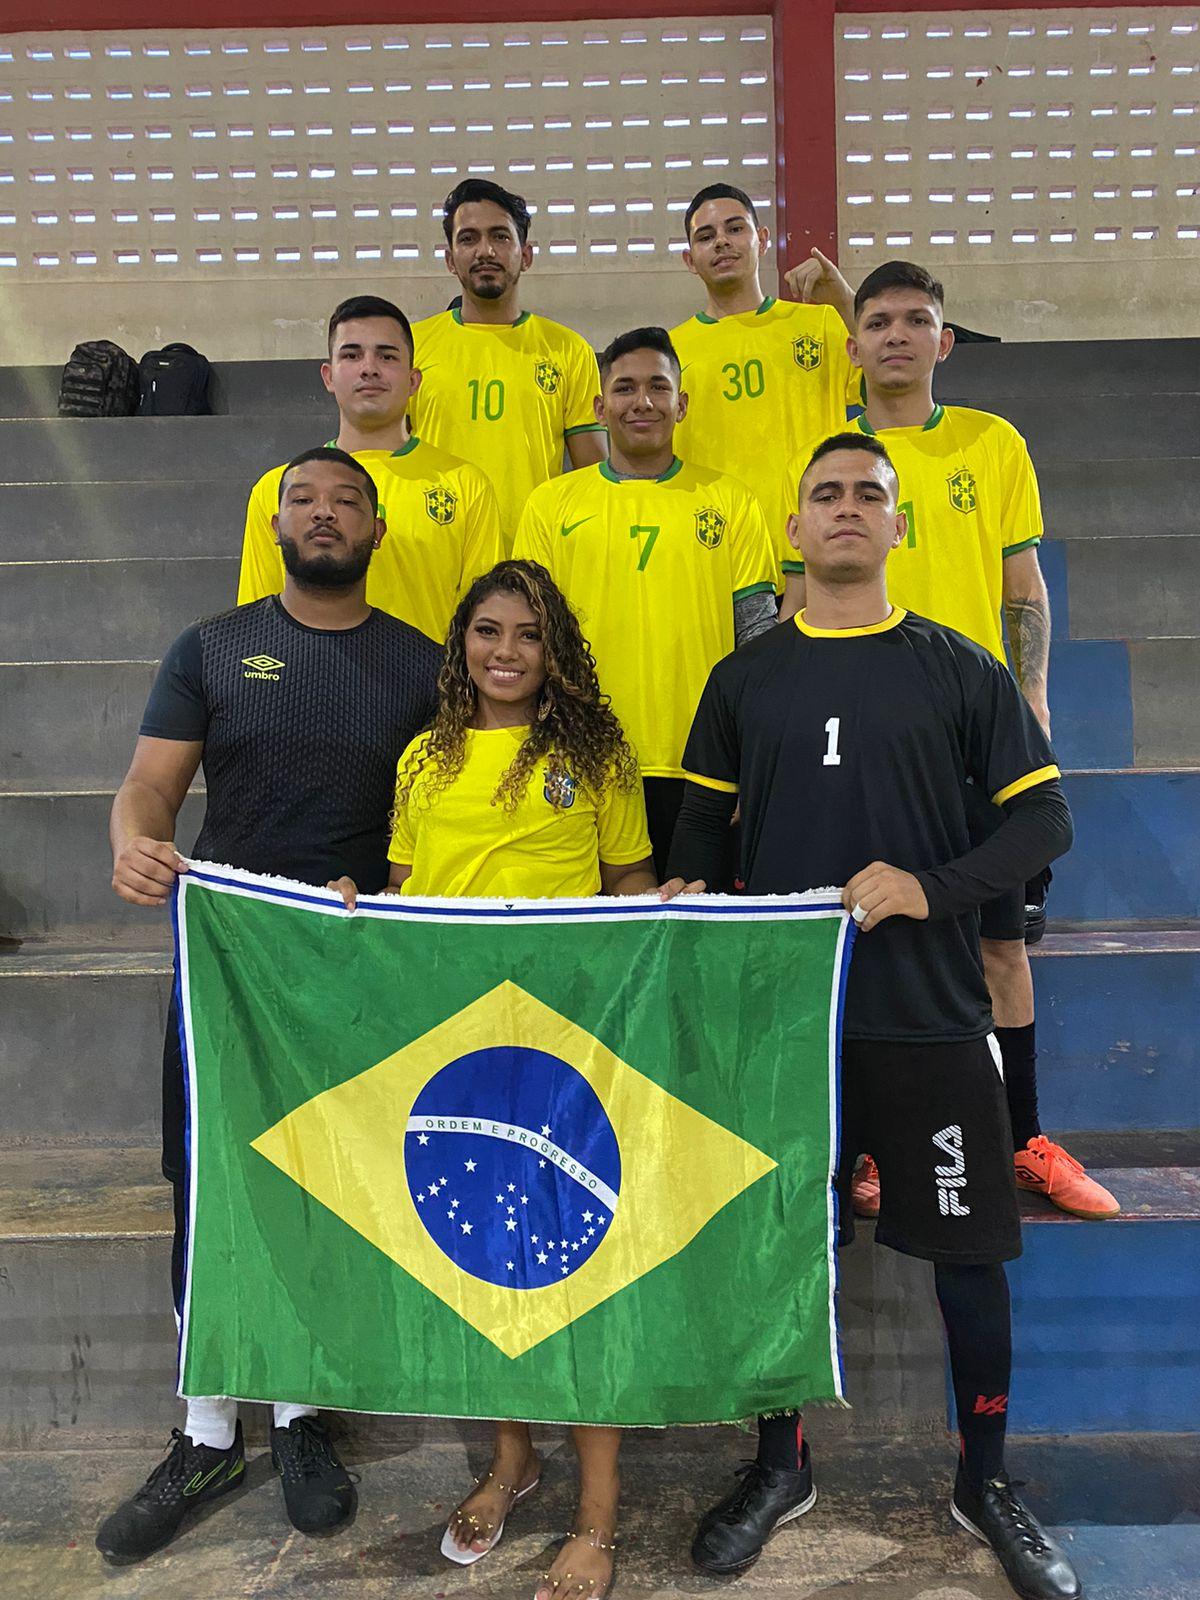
<point>555,1160</point>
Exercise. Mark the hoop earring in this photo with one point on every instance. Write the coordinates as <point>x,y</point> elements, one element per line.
<point>545,706</point>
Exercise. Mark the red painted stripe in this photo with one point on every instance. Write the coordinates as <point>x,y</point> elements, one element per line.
<point>805,129</point>
<point>865,7</point>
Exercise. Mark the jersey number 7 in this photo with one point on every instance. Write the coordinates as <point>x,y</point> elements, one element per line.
<point>651,536</point>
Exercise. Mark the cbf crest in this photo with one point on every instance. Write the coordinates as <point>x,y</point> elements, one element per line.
<point>441,505</point>
<point>807,352</point>
<point>559,789</point>
<point>963,494</point>
<point>549,377</point>
<point>710,527</point>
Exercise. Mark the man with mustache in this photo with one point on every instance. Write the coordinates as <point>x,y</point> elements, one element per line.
<point>299,706</point>
<point>502,387</point>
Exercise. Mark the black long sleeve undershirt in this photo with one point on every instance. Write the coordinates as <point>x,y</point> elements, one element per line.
<point>1037,828</point>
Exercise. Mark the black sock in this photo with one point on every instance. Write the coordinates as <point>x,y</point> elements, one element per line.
<point>1018,1051</point>
<point>781,1441</point>
<point>975,1309</point>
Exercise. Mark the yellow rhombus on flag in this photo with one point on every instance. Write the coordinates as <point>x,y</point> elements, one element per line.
<point>346,1147</point>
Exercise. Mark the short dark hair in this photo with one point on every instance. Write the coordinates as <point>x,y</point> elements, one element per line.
<point>472,190</point>
<point>370,305</point>
<point>342,458</point>
<point>867,442</point>
<point>638,339</point>
<point>898,275</point>
<point>718,191</point>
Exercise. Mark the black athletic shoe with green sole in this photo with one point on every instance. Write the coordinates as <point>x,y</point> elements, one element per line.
<point>317,1490</point>
<point>731,1536</point>
<point>191,1476</point>
<point>1035,1564</point>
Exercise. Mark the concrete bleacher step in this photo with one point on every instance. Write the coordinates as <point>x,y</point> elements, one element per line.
<point>147,449</point>
<point>56,871</point>
<point>200,514</point>
<point>1118,1047</point>
<point>54,865</point>
<point>1119,494</point>
<point>120,610</point>
<point>1071,371</point>
<point>87,1341</point>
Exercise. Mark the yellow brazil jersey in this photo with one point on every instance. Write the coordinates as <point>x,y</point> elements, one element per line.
<point>459,841</point>
<point>969,491</point>
<point>652,566</point>
<point>443,532</point>
<point>758,385</point>
<point>504,397</point>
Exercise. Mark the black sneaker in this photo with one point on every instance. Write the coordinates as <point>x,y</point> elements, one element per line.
<point>317,1490</point>
<point>1033,1563</point>
<point>191,1475</point>
<point>731,1536</point>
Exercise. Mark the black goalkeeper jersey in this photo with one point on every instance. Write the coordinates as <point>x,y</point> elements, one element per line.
<point>302,729</point>
<point>855,746</point>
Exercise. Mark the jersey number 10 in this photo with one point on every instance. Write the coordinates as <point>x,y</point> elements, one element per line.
<point>487,399</point>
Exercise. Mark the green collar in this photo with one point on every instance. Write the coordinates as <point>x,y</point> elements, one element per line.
<point>458,317</point>
<point>935,416</point>
<point>410,444</point>
<point>703,316</point>
<point>606,471</point>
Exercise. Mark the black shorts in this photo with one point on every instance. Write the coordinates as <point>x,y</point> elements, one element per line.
<point>174,1100</point>
<point>1004,917</point>
<point>935,1118</point>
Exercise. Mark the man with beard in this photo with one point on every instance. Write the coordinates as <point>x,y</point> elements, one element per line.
<point>299,706</point>
<point>445,527</point>
<point>502,387</point>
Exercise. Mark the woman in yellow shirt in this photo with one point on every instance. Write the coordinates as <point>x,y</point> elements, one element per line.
<point>524,786</point>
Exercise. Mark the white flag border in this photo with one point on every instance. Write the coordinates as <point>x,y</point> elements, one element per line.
<point>811,904</point>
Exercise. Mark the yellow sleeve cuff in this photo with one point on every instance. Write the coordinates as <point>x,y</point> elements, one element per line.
<point>711,783</point>
<point>1029,781</point>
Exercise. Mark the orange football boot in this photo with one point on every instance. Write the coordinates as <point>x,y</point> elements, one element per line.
<point>1044,1167</point>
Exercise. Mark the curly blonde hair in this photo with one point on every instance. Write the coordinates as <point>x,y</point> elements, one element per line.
<point>575,731</point>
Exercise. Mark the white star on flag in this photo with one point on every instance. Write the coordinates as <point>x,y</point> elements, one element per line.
<point>470,1166</point>
<point>422,1138</point>
<point>466,1227</point>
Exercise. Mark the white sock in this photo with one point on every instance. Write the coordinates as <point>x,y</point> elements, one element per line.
<point>286,1413</point>
<point>211,1420</point>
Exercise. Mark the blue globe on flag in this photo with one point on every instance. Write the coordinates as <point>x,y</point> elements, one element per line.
<point>513,1166</point>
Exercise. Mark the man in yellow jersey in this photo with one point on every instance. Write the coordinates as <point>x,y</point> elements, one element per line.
<point>970,498</point>
<point>762,375</point>
<point>503,387</point>
<point>444,526</point>
<point>667,563</point>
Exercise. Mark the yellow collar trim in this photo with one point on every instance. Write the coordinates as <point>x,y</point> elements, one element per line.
<point>896,617</point>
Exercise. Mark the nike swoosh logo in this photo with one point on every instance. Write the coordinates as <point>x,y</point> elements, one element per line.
<point>569,527</point>
<point>199,1482</point>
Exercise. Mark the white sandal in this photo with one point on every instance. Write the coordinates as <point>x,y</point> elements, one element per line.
<point>466,1558</point>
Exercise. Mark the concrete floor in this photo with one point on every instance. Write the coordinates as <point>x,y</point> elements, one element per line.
<point>880,1530</point>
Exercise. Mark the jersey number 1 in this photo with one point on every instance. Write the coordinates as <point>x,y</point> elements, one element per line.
<point>833,729</point>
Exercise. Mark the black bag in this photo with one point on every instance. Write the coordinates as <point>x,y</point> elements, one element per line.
<point>175,382</point>
<point>100,380</point>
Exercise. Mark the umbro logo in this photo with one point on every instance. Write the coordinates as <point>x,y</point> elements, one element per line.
<point>262,667</point>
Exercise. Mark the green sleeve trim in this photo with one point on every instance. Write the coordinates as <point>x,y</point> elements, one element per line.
<point>766,587</point>
<point>795,568</point>
<point>1025,544</point>
<point>585,427</point>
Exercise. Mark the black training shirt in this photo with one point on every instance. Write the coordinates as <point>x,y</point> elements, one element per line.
<point>854,746</point>
<point>302,729</point>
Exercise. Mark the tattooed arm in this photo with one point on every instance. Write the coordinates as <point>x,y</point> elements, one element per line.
<point>1027,613</point>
